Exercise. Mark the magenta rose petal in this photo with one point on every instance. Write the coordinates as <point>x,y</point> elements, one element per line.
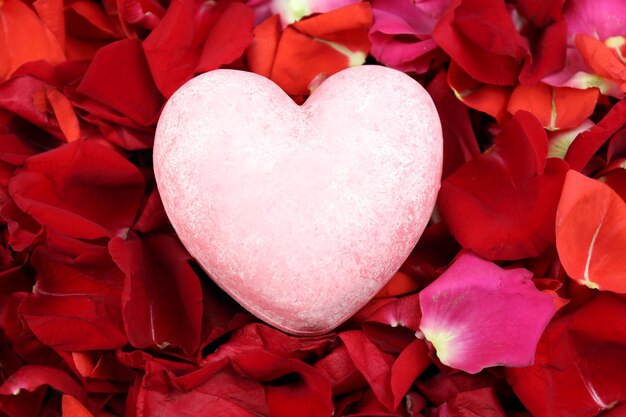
<point>478,315</point>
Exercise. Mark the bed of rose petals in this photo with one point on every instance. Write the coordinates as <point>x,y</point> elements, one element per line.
<point>511,304</point>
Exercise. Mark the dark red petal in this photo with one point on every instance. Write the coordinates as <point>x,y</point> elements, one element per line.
<point>31,377</point>
<point>479,35</point>
<point>228,38</point>
<point>407,367</point>
<point>459,142</point>
<point>159,312</point>
<point>589,142</point>
<point>218,391</point>
<point>83,189</point>
<point>75,304</point>
<point>373,364</point>
<point>579,364</point>
<point>125,88</point>
<point>502,204</point>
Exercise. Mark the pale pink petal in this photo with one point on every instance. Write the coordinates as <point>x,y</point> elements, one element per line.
<point>477,315</point>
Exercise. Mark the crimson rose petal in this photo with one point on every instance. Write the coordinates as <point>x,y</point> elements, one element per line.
<point>83,189</point>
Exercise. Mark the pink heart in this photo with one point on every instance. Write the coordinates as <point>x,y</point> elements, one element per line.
<point>300,213</point>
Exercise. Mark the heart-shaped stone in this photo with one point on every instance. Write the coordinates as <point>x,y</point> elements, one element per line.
<point>300,213</point>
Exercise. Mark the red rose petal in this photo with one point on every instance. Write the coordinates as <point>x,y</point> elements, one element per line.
<point>478,315</point>
<point>261,53</point>
<point>228,39</point>
<point>591,233</point>
<point>502,204</point>
<point>541,12</point>
<point>490,99</point>
<point>23,230</point>
<point>127,89</point>
<point>25,38</point>
<point>321,45</point>
<point>482,402</point>
<point>181,45</point>
<point>547,55</point>
<point>373,364</point>
<point>75,304</point>
<point>555,107</point>
<point>82,189</point>
<point>65,114</point>
<point>459,142</point>
<point>159,312</point>
<point>392,326</point>
<point>479,35</point>
<point>31,377</point>
<point>339,369</point>
<point>292,387</point>
<point>153,216</point>
<point>406,368</point>
<point>25,96</point>
<point>73,408</point>
<point>216,391</point>
<point>579,364</point>
<point>589,142</point>
<point>604,61</point>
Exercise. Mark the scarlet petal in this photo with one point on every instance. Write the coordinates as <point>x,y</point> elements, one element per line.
<point>262,51</point>
<point>459,142</point>
<point>373,364</point>
<point>213,391</point>
<point>228,39</point>
<point>82,189</point>
<point>307,395</point>
<point>24,231</point>
<point>482,402</point>
<point>490,99</point>
<point>502,204</point>
<point>321,45</point>
<point>153,216</point>
<point>479,35</point>
<point>406,368</point>
<point>190,29</point>
<point>31,377</point>
<point>555,107</point>
<point>73,408</point>
<point>591,232</point>
<point>579,363</point>
<point>75,304</point>
<point>25,38</point>
<point>547,54</point>
<point>65,114</point>
<point>478,315</point>
<point>127,89</point>
<point>589,142</point>
<point>338,368</point>
<point>600,58</point>
<point>158,312</point>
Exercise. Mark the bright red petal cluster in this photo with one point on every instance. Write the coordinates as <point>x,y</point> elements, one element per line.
<point>511,304</point>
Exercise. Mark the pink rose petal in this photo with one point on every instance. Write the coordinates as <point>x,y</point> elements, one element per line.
<point>478,315</point>
<point>401,33</point>
<point>601,19</point>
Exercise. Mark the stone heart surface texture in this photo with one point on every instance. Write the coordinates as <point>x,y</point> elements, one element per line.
<point>300,213</point>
